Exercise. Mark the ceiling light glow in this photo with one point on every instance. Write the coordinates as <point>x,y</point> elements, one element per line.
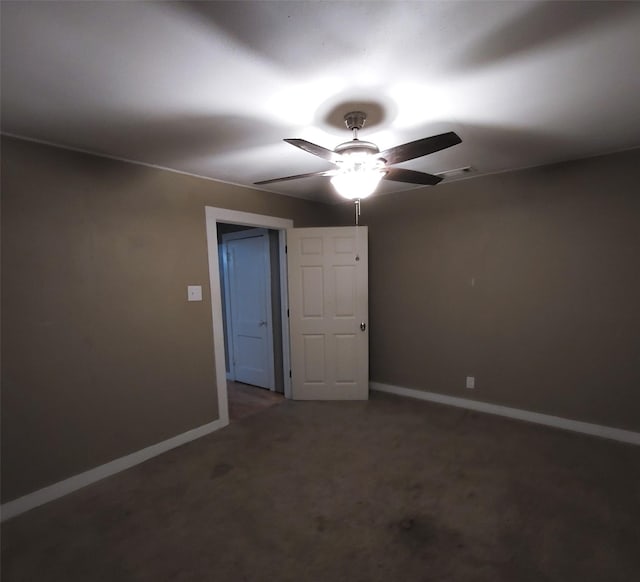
<point>300,102</point>
<point>358,175</point>
<point>419,104</point>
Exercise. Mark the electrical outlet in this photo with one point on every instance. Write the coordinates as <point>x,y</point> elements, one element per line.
<point>471,382</point>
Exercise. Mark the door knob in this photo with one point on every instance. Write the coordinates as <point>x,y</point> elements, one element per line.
<point>262,323</point>
<point>363,326</point>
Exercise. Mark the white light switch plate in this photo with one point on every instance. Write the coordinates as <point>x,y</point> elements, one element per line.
<point>194,293</point>
<point>471,382</point>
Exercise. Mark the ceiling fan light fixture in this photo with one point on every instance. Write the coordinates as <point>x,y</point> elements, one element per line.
<point>358,175</point>
<point>361,165</point>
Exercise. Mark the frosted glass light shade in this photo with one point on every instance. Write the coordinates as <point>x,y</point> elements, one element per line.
<point>354,185</point>
<point>358,176</point>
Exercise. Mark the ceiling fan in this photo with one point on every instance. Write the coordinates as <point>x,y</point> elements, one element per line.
<point>361,165</point>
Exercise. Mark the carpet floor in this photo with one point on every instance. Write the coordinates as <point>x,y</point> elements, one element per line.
<point>386,490</point>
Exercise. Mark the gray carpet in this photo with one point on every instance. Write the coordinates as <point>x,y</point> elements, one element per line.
<point>388,490</point>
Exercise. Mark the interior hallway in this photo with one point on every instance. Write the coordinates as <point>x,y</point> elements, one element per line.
<point>245,400</point>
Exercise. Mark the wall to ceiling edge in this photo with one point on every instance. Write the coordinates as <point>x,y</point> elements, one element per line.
<point>101,353</point>
<point>527,280</point>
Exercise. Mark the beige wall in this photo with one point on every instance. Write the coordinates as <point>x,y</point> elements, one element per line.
<point>553,321</point>
<point>101,353</point>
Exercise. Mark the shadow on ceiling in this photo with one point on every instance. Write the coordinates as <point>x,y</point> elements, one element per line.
<point>279,31</point>
<point>505,142</point>
<point>331,113</point>
<point>166,140</point>
<point>541,25</point>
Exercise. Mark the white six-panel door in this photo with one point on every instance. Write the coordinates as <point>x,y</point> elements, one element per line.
<point>328,305</point>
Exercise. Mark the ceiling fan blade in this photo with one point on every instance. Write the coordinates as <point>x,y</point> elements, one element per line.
<point>309,175</point>
<point>411,176</point>
<point>314,149</point>
<point>420,147</point>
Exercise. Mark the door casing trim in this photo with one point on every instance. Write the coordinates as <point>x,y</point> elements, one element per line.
<point>214,215</point>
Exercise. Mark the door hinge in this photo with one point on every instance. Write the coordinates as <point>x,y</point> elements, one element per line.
<point>285,249</point>
<point>289,373</point>
<point>287,312</point>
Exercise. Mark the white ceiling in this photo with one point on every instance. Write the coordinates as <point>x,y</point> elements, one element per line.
<point>212,88</point>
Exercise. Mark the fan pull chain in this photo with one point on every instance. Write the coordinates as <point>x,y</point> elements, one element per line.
<point>357,205</point>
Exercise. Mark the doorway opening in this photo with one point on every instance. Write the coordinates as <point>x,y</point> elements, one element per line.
<point>224,226</point>
<point>251,304</point>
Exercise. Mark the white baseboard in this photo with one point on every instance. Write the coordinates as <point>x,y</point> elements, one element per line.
<point>61,488</point>
<point>617,434</point>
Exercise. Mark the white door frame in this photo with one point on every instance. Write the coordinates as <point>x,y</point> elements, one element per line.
<point>213,216</point>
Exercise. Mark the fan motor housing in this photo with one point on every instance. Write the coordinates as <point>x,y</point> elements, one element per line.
<point>357,146</point>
